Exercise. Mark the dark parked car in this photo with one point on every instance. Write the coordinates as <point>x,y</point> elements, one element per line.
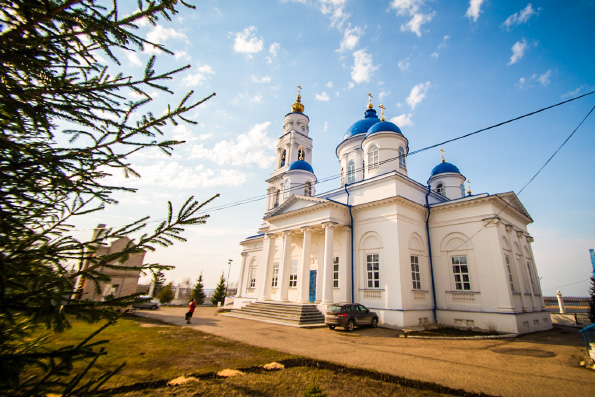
<point>349,315</point>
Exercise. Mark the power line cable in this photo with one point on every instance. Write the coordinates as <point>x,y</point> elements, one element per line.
<point>336,176</point>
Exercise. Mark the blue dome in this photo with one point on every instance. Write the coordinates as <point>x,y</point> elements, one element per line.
<point>300,165</point>
<point>384,126</point>
<point>362,126</point>
<point>443,168</point>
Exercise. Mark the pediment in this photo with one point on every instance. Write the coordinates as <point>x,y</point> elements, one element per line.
<point>512,199</point>
<point>295,203</point>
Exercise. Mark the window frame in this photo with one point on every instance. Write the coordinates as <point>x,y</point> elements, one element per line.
<point>252,277</point>
<point>415,273</point>
<point>336,272</point>
<point>308,189</point>
<point>351,171</point>
<point>275,275</point>
<point>440,189</point>
<point>402,158</point>
<point>508,265</point>
<point>373,156</point>
<point>283,158</point>
<point>373,274</point>
<point>286,188</point>
<point>459,273</point>
<point>293,273</point>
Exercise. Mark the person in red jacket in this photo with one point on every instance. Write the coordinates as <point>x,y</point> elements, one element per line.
<point>191,307</point>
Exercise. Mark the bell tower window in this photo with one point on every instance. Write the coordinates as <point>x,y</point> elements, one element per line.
<point>282,159</point>
<point>286,189</point>
<point>440,189</point>
<point>402,162</point>
<point>301,153</point>
<point>307,189</point>
<point>351,172</point>
<point>372,157</point>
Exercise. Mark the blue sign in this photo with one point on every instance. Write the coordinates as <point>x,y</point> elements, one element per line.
<point>312,286</point>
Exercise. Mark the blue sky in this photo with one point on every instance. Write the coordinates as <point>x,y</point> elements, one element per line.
<point>441,69</point>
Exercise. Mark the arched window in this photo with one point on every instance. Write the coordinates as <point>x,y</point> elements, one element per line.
<point>372,157</point>
<point>286,189</point>
<point>282,160</point>
<point>351,172</point>
<point>402,163</point>
<point>440,189</point>
<point>307,189</point>
<point>276,204</point>
<point>462,190</point>
<point>301,153</point>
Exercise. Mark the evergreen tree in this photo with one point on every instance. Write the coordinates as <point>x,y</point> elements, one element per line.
<point>219,294</point>
<point>66,124</point>
<point>158,281</point>
<point>166,294</point>
<point>199,291</point>
<point>592,303</point>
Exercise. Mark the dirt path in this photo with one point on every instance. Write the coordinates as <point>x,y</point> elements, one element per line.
<point>542,364</point>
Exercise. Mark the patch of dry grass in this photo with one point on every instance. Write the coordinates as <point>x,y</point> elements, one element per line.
<point>164,360</point>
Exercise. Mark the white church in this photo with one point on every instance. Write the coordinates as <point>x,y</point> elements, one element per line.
<point>415,253</point>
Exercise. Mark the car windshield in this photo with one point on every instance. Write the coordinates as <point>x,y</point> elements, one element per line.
<point>334,309</point>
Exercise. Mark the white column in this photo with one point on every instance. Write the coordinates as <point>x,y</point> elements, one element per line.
<point>560,302</point>
<point>241,286</point>
<point>285,267</point>
<point>327,278</point>
<point>303,280</point>
<point>269,251</point>
<point>345,265</point>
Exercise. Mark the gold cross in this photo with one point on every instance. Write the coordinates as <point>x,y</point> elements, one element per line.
<point>299,90</point>
<point>382,111</point>
<point>370,101</point>
<point>442,150</point>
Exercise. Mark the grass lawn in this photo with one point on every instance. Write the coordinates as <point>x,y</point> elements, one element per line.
<point>156,353</point>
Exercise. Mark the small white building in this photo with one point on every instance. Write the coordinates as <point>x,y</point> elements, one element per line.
<point>414,253</point>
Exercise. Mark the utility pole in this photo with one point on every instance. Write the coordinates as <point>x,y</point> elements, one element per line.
<point>228,270</point>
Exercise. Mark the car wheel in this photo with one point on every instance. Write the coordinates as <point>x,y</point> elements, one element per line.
<point>374,322</point>
<point>350,326</point>
<point>154,307</point>
<point>331,326</point>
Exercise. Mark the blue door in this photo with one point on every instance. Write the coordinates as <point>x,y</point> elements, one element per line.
<point>312,286</point>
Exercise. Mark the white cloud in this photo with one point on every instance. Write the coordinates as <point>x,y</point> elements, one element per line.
<point>203,72</point>
<point>322,97</point>
<point>362,66</point>
<point>383,94</point>
<point>474,9</point>
<point>246,42</point>
<point>417,94</point>
<point>351,37</point>
<point>160,35</point>
<point>412,9</point>
<point>518,51</point>
<point>133,58</point>
<point>273,50</point>
<point>170,174</point>
<point>403,120</point>
<point>442,45</point>
<point>544,79</point>
<point>261,80</point>
<point>325,127</point>
<point>335,10</point>
<point>256,98</point>
<point>521,17</point>
<point>404,64</point>
<point>251,148</point>
<point>181,54</point>
<point>329,84</point>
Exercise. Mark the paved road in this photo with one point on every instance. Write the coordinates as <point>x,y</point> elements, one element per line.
<point>542,364</point>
